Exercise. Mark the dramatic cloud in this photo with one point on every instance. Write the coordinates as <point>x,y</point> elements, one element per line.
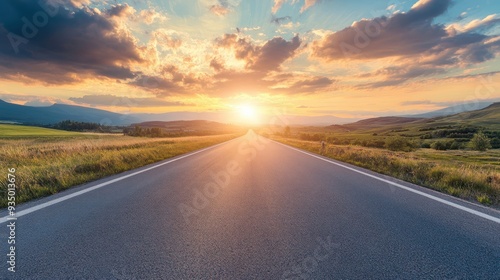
<point>401,34</point>
<point>264,58</point>
<point>63,44</point>
<point>169,80</point>
<point>412,39</point>
<point>274,53</point>
<point>125,46</point>
<point>121,10</point>
<point>123,101</point>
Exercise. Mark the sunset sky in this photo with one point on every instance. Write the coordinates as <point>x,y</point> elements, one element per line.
<point>354,58</point>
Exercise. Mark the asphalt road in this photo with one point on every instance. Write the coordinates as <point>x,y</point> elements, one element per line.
<point>251,209</point>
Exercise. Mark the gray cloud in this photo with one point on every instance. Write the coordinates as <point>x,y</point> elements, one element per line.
<point>422,48</point>
<point>264,58</point>
<point>401,34</point>
<point>280,20</point>
<point>408,34</point>
<point>64,44</point>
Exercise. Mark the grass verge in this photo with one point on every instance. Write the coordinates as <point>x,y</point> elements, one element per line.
<point>471,181</point>
<point>47,165</point>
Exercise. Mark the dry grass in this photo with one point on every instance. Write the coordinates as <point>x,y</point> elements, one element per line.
<point>472,180</point>
<point>46,166</point>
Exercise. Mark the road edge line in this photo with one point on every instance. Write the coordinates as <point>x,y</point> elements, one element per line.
<point>444,201</point>
<point>98,186</point>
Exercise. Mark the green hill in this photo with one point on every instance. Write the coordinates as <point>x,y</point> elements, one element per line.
<point>487,118</point>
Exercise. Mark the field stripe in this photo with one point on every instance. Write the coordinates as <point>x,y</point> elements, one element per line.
<point>449,203</point>
<point>98,186</point>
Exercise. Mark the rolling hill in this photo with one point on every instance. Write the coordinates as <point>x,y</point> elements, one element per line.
<point>452,110</point>
<point>372,123</point>
<point>488,118</point>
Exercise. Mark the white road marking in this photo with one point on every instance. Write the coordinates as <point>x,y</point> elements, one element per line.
<point>449,203</point>
<point>86,190</point>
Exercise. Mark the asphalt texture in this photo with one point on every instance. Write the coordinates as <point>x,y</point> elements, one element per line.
<point>252,209</point>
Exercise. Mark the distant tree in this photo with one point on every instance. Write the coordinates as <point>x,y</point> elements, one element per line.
<point>441,145</point>
<point>400,144</point>
<point>80,126</point>
<point>137,131</point>
<point>480,142</point>
<point>155,132</point>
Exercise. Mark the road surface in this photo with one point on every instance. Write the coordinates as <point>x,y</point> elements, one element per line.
<point>252,209</point>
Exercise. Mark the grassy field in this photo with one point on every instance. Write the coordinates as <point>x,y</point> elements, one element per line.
<point>21,131</point>
<point>48,161</point>
<point>471,175</point>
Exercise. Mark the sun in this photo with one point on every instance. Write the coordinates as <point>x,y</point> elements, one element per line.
<point>248,113</point>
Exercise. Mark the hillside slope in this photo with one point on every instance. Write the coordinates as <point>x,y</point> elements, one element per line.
<point>488,118</point>
<point>60,112</point>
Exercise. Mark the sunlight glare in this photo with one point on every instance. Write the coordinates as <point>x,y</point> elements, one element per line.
<point>248,113</point>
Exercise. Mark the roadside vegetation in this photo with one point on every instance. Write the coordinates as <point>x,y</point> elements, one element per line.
<point>470,171</point>
<point>48,161</point>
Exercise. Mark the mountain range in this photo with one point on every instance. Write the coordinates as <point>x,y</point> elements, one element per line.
<point>55,113</point>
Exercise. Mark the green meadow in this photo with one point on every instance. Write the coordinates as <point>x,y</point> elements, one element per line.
<point>48,161</point>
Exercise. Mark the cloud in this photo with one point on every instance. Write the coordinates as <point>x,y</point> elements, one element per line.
<point>396,75</point>
<point>167,39</point>
<point>217,65</point>
<point>123,101</point>
<point>279,3</point>
<point>68,46</point>
<point>150,16</point>
<point>475,25</point>
<point>219,10</point>
<point>223,7</point>
<point>308,4</point>
<point>280,20</point>
<point>31,100</point>
<point>264,58</point>
<point>273,53</point>
<point>121,10</point>
<point>297,83</point>
<point>418,47</point>
<point>38,103</point>
<point>169,80</point>
<point>399,35</point>
<point>309,85</point>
